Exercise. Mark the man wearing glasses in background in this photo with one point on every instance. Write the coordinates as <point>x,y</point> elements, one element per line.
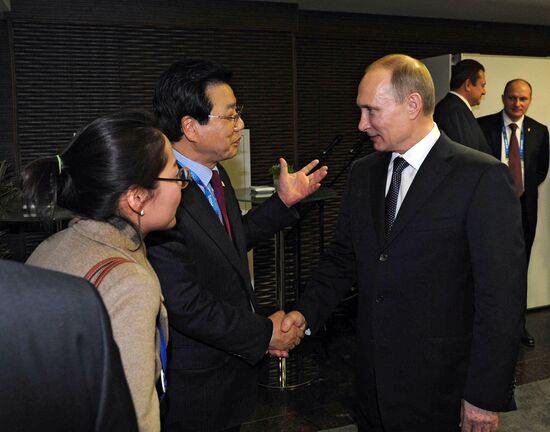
<point>216,337</point>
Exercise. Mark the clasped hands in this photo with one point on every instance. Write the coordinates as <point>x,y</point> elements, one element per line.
<point>288,331</point>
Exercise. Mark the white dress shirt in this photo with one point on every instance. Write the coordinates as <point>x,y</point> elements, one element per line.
<point>414,157</point>
<point>463,99</point>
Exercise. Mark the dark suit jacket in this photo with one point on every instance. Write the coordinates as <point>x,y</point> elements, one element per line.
<point>60,368</point>
<point>457,121</point>
<point>440,303</point>
<point>535,164</point>
<point>216,341</point>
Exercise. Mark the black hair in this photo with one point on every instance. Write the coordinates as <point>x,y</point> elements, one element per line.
<point>181,91</point>
<point>463,70</point>
<point>103,160</point>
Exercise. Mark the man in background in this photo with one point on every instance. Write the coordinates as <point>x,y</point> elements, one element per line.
<point>453,114</point>
<point>441,284</point>
<point>217,338</point>
<point>521,143</point>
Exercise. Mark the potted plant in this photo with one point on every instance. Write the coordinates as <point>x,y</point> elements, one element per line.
<point>8,195</point>
<point>275,172</point>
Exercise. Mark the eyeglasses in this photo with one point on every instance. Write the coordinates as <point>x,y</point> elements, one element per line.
<point>235,118</point>
<point>183,179</point>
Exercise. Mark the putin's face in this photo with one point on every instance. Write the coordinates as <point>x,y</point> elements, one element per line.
<point>382,118</point>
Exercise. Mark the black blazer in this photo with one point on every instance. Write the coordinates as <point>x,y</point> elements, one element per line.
<point>535,163</point>
<point>216,340</point>
<point>441,302</point>
<point>457,121</point>
<point>60,367</point>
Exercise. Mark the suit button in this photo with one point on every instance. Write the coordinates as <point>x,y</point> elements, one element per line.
<point>383,257</point>
<point>379,299</point>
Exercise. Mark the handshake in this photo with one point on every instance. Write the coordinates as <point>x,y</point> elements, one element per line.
<point>288,331</point>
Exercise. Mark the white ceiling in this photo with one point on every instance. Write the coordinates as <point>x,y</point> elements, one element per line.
<point>506,11</point>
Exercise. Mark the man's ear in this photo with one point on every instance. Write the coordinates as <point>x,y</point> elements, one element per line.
<point>189,128</point>
<point>414,105</point>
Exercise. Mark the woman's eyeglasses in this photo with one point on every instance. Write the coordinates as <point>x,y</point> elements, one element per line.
<point>183,179</point>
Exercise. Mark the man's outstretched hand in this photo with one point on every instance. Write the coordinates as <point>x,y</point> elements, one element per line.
<point>294,187</point>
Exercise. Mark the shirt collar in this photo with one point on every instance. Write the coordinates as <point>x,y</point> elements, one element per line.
<point>463,99</point>
<point>418,152</point>
<point>507,120</point>
<point>201,171</point>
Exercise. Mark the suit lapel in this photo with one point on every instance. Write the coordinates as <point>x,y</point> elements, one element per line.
<point>431,173</point>
<point>529,130</point>
<point>528,145</point>
<point>234,214</point>
<point>197,206</point>
<point>378,175</point>
<point>496,136</point>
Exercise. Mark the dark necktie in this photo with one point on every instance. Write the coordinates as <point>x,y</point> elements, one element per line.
<point>514,160</point>
<point>216,183</point>
<point>399,164</point>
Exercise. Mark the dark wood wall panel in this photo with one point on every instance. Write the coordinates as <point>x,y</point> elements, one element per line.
<point>191,14</point>
<point>70,74</point>
<point>328,72</point>
<point>450,35</point>
<point>7,147</point>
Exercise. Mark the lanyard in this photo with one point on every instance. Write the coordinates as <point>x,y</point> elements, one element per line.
<point>163,361</point>
<point>507,146</point>
<point>209,196</point>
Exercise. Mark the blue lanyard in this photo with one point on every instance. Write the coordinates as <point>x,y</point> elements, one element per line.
<point>208,193</point>
<point>163,361</point>
<point>507,146</point>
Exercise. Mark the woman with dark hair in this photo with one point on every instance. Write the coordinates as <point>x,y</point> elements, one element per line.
<point>120,177</point>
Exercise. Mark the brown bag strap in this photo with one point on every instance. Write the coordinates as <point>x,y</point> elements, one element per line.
<point>98,272</point>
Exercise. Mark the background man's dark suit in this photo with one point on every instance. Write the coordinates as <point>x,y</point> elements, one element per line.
<point>455,119</point>
<point>211,372</point>
<point>440,302</point>
<point>535,165</point>
<point>60,368</point>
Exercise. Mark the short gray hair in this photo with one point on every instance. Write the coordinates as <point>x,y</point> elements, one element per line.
<point>409,75</point>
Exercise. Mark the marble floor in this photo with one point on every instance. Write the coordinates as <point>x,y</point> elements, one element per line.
<point>327,402</point>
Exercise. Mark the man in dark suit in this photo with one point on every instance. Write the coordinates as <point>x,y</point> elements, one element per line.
<point>453,114</point>
<point>441,285</point>
<point>60,368</point>
<point>216,337</point>
<point>531,138</point>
